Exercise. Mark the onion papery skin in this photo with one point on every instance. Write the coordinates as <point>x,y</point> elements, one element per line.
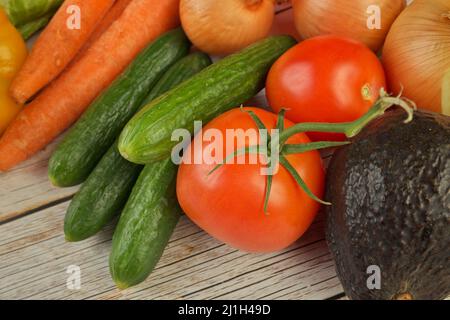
<point>416,54</point>
<point>347,18</point>
<point>224,27</point>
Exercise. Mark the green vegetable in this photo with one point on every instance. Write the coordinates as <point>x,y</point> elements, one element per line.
<point>146,225</point>
<point>101,196</point>
<point>222,86</point>
<point>107,188</point>
<point>390,195</point>
<point>30,28</point>
<point>152,212</point>
<point>178,73</point>
<point>30,15</point>
<point>96,130</point>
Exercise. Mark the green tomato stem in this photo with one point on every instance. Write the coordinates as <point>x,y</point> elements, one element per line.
<point>351,129</point>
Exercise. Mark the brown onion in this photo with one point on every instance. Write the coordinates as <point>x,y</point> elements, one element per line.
<point>226,26</point>
<point>416,54</point>
<point>355,19</point>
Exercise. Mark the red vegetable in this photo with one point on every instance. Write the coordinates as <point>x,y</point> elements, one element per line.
<point>229,202</point>
<point>325,79</point>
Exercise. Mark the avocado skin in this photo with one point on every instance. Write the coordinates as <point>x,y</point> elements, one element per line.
<point>390,191</point>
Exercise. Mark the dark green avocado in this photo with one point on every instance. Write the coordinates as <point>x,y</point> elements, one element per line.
<point>390,191</point>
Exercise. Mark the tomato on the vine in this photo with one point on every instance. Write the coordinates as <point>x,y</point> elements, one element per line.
<point>228,203</point>
<point>325,79</point>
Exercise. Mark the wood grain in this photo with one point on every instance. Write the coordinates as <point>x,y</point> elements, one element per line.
<point>26,188</point>
<point>34,258</point>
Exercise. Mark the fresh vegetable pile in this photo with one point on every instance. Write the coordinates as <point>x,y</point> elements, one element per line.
<point>39,70</point>
<point>158,130</point>
<point>63,101</point>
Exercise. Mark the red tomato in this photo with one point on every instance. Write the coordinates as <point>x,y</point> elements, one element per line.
<point>325,79</point>
<point>229,203</point>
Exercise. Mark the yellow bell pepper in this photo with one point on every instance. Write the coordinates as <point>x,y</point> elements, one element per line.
<point>13,52</point>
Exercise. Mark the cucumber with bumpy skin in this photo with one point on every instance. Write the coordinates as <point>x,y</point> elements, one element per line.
<point>181,71</point>
<point>107,188</point>
<point>222,86</point>
<point>96,130</point>
<point>146,225</point>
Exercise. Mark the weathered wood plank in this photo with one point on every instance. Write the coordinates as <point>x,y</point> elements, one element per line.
<point>34,258</point>
<point>27,188</point>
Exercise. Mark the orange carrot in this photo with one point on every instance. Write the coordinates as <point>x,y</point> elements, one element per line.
<point>66,98</point>
<point>113,14</point>
<point>57,46</point>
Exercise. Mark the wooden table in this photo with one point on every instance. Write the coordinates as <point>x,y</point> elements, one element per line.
<point>34,256</point>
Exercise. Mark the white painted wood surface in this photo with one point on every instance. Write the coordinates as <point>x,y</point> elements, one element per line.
<point>34,256</point>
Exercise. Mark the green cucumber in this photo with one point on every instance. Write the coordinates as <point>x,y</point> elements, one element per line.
<point>107,188</point>
<point>146,225</point>
<point>96,130</point>
<point>101,197</point>
<point>181,71</point>
<point>222,86</point>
